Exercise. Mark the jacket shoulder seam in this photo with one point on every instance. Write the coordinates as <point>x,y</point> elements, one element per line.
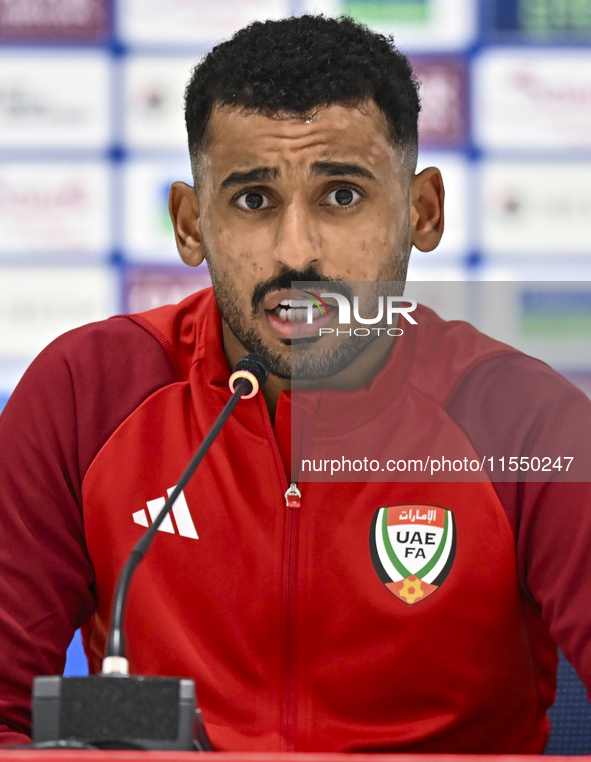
<point>160,338</point>
<point>493,355</point>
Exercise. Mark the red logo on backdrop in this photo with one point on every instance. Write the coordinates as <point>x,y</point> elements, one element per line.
<point>443,88</point>
<point>149,287</point>
<point>77,20</point>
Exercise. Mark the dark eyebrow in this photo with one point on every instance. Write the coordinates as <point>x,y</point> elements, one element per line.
<point>256,175</point>
<point>340,169</point>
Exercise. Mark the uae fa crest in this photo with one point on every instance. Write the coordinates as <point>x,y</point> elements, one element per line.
<point>413,549</point>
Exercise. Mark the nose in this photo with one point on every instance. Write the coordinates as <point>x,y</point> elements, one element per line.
<point>297,242</point>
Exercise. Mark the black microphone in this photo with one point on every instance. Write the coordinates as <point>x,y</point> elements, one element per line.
<point>253,369</point>
<point>116,710</point>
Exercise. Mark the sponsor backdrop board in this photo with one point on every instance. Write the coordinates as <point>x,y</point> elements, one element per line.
<point>533,99</point>
<point>153,105</point>
<point>53,208</point>
<point>538,20</point>
<point>146,288</point>
<point>37,304</point>
<point>536,208</point>
<point>417,24</point>
<point>50,20</point>
<point>158,22</point>
<point>92,130</point>
<point>55,99</point>
<point>443,121</point>
<point>148,230</point>
<point>550,320</point>
<point>456,172</point>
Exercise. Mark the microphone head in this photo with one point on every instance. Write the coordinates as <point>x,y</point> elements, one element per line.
<point>254,369</point>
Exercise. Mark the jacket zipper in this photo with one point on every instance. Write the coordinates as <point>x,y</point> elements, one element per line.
<point>293,498</point>
<point>292,524</point>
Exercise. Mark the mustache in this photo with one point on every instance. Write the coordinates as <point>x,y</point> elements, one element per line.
<point>302,279</point>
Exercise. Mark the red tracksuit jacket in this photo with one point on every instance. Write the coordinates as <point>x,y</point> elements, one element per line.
<point>296,621</point>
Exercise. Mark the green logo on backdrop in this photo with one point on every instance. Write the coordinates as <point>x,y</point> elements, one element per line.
<point>388,11</point>
<point>557,313</point>
<point>545,16</point>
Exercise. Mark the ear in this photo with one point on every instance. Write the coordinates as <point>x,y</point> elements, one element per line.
<point>183,206</point>
<point>426,209</point>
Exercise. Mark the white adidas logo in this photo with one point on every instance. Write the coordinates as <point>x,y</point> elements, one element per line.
<point>180,511</point>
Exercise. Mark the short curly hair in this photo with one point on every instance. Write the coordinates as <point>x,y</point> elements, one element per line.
<point>298,64</point>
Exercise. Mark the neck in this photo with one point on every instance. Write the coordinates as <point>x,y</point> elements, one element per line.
<point>363,368</point>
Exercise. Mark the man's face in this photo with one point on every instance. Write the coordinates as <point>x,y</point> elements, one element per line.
<point>282,198</point>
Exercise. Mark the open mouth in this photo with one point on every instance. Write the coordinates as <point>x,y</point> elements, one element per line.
<point>292,318</point>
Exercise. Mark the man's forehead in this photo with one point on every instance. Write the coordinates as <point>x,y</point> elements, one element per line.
<point>348,134</point>
<point>366,109</point>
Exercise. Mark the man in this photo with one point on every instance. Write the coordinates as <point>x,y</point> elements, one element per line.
<point>283,601</point>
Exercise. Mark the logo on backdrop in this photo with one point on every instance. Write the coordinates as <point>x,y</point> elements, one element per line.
<point>412,549</point>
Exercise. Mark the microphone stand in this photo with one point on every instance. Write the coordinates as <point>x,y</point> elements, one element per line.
<point>114,661</point>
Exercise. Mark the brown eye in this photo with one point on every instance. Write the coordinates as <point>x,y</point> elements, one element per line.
<point>253,201</point>
<point>342,197</point>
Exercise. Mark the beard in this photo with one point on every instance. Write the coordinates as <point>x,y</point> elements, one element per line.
<point>310,358</point>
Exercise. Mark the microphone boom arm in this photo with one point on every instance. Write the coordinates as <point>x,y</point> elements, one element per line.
<point>242,386</point>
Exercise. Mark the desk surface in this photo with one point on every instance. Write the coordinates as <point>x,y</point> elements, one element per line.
<point>176,756</point>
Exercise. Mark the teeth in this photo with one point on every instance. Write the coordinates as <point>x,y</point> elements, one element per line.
<point>295,303</point>
<point>293,310</point>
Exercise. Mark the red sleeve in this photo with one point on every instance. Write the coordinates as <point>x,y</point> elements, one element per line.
<point>516,406</point>
<point>66,406</point>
